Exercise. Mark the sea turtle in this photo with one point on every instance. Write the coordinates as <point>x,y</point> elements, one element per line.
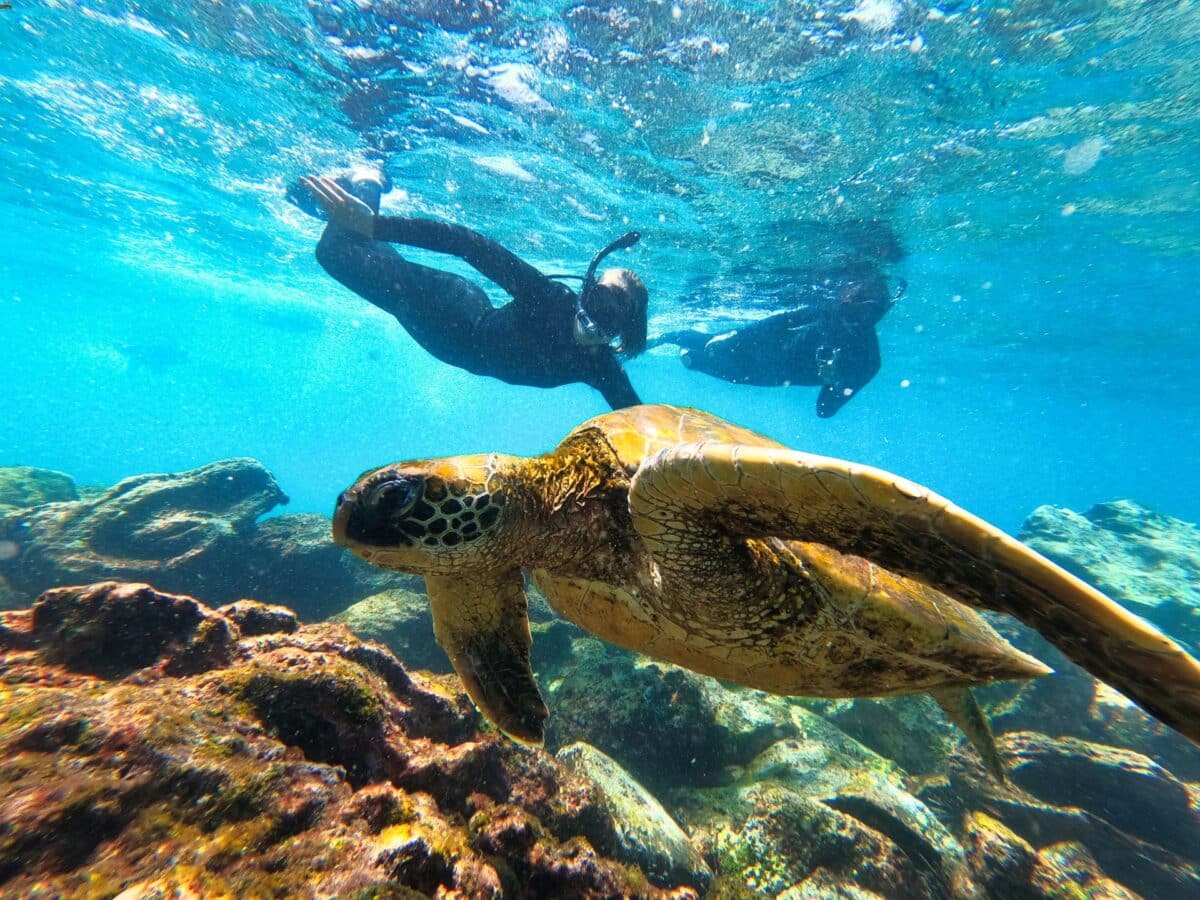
<point>674,533</point>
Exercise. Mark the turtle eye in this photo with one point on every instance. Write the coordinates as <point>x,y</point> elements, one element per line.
<point>393,498</point>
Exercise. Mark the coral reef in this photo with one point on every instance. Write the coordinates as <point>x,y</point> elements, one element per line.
<point>149,745</point>
<point>193,532</point>
<point>152,745</point>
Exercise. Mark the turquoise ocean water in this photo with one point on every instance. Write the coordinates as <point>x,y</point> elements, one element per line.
<point>1030,169</point>
<point>161,307</point>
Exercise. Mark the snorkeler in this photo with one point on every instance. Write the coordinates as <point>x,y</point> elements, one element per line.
<point>830,341</point>
<point>547,336</point>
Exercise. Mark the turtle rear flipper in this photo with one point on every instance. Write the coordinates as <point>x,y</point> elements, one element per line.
<point>482,622</point>
<point>761,492</point>
<point>961,708</point>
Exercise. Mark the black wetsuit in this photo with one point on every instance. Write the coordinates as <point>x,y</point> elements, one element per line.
<point>816,344</point>
<point>528,341</point>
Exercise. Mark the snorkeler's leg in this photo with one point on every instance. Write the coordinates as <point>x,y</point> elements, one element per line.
<point>439,309</point>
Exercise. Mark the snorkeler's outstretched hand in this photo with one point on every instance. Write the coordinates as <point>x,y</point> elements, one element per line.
<point>342,207</point>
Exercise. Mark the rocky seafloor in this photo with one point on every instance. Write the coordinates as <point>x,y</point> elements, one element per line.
<point>170,728</point>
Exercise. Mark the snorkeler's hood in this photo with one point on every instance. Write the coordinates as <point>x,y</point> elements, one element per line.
<point>624,242</point>
<point>587,332</point>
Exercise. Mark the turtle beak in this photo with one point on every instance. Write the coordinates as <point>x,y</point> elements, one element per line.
<point>342,511</point>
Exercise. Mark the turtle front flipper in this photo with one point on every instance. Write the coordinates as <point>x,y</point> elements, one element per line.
<point>482,622</point>
<point>762,492</point>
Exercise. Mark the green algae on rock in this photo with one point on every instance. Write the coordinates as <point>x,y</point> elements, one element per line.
<point>297,761</point>
<point>1143,559</point>
<point>1140,824</point>
<point>25,486</point>
<point>819,810</point>
<point>701,729</point>
<point>196,531</point>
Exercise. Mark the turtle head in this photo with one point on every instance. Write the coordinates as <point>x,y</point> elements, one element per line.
<point>430,517</point>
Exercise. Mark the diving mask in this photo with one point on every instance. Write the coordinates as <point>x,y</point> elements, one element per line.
<point>590,334</point>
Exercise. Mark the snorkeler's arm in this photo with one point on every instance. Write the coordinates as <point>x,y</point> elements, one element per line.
<point>483,254</point>
<point>614,383</point>
<point>859,362</point>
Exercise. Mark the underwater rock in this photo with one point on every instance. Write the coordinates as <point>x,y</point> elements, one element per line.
<point>150,746</point>
<point>1073,703</point>
<point>613,699</point>
<point>112,629</point>
<point>1008,867</point>
<point>1139,822</point>
<point>823,885</point>
<point>646,834</point>
<point>911,731</point>
<point>25,486</point>
<point>820,810</point>
<point>1144,560</point>
<point>1070,863</point>
<point>253,618</point>
<point>293,560</point>
<point>1000,860</point>
<point>192,532</point>
<point>179,531</point>
<point>401,620</point>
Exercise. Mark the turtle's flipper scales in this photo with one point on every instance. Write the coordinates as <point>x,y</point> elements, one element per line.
<point>482,622</point>
<point>761,492</point>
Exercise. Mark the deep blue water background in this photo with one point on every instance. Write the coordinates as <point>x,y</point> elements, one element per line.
<point>160,306</point>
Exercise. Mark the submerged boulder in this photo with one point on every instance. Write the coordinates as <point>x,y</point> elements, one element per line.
<point>1071,703</point>
<point>25,486</point>
<point>1138,822</point>
<point>1146,561</point>
<point>1001,861</point>
<point>909,730</point>
<point>150,746</point>
<point>194,532</point>
<point>646,834</point>
<point>821,813</point>
<point>702,729</point>
<point>400,619</point>
<point>180,530</point>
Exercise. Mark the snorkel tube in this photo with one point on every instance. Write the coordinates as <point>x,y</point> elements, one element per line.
<point>587,332</point>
